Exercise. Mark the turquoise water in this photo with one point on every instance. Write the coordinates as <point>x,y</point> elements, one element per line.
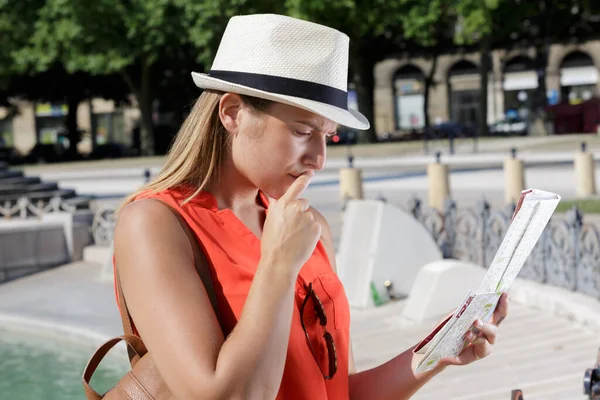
<point>38,367</point>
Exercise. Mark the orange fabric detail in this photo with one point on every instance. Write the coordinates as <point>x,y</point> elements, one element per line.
<point>233,253</point>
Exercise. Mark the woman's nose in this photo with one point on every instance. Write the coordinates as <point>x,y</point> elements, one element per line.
<point>316,154</point>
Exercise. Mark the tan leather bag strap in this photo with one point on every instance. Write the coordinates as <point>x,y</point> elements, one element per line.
<point>134,344</point>
<point>202,269</point>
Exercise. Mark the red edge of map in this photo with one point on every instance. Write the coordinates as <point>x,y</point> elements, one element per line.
<point>432,334</point>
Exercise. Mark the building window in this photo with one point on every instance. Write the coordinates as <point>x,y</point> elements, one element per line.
<point>409,98</point>
<point>6,132</point>
<point>464,83</point>
<point>578,78</point>
<point>520,85</point>
<point>50,122</point>
<point>465,107</point>
<point>110,128</point>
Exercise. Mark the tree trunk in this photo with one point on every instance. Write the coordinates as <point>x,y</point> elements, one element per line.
<point>143,97</point>
<point>363,68</point>
<point>429,82</point>
<point>71,125</point>
<point>145,101</point>
<point>93,126</point>
<point>541,63</point>
<point>483,100</point>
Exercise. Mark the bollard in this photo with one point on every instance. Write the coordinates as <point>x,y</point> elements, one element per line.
<point>585,179</point>
<point>350,182</point>
<point>514,178</point>
<point>591,381</point>
<point>439,183</point>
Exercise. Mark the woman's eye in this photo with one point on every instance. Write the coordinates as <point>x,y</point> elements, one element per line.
<point>302,133</point>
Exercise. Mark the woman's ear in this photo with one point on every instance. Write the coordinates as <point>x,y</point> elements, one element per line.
<point>230,106</point>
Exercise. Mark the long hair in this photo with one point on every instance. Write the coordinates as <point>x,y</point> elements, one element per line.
<point>198,149</point>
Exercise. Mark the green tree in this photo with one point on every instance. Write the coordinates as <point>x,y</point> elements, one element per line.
<point>429,24</point>
<point>56,85</point>
<point>474,26</point>
<point>369,25</point>
<point>205,21</point>
<point>541,23</point>
<point>16,26</point>
<point>33,71</point>
<point>107,37</point>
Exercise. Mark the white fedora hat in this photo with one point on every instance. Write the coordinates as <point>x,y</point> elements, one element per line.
<point>286,60</point>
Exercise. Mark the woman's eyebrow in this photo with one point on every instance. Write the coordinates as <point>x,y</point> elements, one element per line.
<point>314,126</point>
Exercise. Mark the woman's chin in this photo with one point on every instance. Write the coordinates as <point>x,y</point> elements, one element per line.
<point>279,188</point>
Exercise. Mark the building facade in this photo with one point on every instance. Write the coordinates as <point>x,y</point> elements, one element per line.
<point>571,75</point>
<point>33,123</point>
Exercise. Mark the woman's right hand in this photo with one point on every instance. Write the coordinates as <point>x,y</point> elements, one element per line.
<point>290,232</point>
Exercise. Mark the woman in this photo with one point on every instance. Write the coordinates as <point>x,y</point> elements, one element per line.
<point>236,174</point>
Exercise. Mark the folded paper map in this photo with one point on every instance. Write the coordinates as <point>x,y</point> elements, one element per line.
<point>533,211</point>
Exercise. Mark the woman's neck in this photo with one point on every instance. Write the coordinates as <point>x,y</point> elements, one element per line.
<point>232,190</point>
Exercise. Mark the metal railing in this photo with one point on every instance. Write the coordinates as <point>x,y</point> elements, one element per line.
<point>24,207</point>
<point>566,255</point>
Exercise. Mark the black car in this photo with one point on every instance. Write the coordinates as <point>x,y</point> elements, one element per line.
<point>451,130</point>
<point>46,153</point>
<point>343,137</point>
<point>509,127</point>
<point>10,155</point>
<point>111,150</point>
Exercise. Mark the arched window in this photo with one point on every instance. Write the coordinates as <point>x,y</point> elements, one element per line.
<point>463,93</point>
<point>578,77</point>
<point>409,98</point>
<point>519,84</point>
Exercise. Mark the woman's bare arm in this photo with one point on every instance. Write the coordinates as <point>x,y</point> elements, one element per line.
<point>396,378</point>
<point>174,315</point>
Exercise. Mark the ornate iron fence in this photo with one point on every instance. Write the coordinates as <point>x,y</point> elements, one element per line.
<point>567,254</point>
<point>103,226</point>
<point>24,207</point>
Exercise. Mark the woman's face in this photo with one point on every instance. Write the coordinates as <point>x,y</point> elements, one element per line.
<point>272,149</point>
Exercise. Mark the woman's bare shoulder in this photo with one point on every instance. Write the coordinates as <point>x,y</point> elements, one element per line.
<point>148,226</point>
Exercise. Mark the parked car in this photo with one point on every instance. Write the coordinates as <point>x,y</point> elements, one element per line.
<point>401,135</point>
<point>111,150</point>
<point>451,129</point>
<point>509,127</point>
<point>46,153</point>
<point>343,137</point>
<point>10,155</point>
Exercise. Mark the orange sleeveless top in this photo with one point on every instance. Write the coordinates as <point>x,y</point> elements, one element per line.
<point>233,253</point>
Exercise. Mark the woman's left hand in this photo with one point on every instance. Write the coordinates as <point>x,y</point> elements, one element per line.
<point>481,338</point>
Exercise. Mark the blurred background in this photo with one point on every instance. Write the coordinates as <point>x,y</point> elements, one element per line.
<point>84,79</point>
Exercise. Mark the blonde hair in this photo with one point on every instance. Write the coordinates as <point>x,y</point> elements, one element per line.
<point>198,149</point>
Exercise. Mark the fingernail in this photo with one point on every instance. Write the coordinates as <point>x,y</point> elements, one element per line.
<point>478,323</point>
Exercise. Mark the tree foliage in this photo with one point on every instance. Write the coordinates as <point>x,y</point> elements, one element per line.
<point>153,45</point>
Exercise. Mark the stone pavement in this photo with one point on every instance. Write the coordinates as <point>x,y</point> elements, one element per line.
<point>540,353</point>
<point>537,352</point>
